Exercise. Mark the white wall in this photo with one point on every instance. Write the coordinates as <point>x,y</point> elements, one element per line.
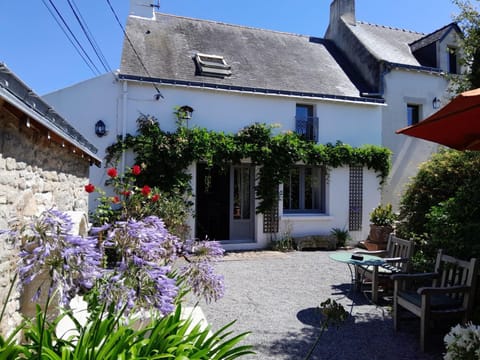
<point>355,124</point>
<point>407,87</point>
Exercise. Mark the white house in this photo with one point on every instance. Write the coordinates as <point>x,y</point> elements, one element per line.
<point>405,68</point>
<point>233,76</point>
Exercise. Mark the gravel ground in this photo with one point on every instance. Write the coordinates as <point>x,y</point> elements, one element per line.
<point>275,296</point>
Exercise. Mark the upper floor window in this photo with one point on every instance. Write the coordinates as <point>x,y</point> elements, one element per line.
<point>304,191</point>
<point>452,60</point>
<point>306,125</point>
<point>413,114</point>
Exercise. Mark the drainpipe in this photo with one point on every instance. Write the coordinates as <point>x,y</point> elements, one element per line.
<point>124,120</point>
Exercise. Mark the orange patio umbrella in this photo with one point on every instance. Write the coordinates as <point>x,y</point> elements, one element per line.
<point>456,125</point>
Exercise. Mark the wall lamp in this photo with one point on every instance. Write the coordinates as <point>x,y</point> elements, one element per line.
<point>100,128</point>
<point>436,102</point>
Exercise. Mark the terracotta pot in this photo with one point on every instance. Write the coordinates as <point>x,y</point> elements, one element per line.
<point>379,234</point>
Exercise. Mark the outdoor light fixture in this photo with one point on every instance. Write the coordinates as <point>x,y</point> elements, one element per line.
<point>436,103</point>
<point>186,112</point>
<point>100,128</point>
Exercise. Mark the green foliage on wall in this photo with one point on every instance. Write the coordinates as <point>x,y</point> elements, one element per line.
<point>167,155</point>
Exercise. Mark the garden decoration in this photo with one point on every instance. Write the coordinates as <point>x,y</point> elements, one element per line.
<point>138,278</point>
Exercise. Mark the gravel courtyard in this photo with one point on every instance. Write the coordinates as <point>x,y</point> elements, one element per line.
<point>275,296</point>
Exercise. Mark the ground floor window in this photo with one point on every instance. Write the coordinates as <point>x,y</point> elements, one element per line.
<point>304,191</point>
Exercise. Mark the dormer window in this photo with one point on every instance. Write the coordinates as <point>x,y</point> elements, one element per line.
<point>212,65</point>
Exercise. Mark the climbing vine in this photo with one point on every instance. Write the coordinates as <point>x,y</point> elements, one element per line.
<point>167,155</point>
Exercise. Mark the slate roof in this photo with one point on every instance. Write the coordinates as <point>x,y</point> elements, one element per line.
<point>261,60</point>
<point>433,37</point>
<point>20,97</point>
<point>386,43</point>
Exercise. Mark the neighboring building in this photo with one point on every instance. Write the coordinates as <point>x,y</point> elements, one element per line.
<point>407,70</point>
<point>44,162</point>
<point>234,76</point>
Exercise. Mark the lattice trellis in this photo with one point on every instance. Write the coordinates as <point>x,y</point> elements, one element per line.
<point>270,221</point>
<point>355,198</point>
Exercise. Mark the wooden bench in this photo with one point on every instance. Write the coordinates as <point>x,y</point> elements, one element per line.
<point>328,242</point>
<point>450,295</point>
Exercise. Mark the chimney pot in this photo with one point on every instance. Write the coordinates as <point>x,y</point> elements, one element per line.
<point>142,8</point>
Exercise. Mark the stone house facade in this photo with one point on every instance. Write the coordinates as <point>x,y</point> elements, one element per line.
<point>44,163</point>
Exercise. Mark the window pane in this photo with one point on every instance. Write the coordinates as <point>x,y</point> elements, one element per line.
<point>308,199</point>
<point>291,190</point>
<point>304,190</point>
<point>452,60</point>
<point>413,114</point>
<point>316,189</point>
<point>241,193</point>
<point>305,123</point>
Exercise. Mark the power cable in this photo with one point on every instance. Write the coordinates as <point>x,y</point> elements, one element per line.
<point>133,47</point>
<point>73,36</point>
<point>92,68</point>
<point>81,21</point>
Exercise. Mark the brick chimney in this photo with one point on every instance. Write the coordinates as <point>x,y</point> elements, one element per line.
<point>142,8</point>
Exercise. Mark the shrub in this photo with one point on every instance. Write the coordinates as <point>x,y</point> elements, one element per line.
<point>342,235</point>
<point>383,215</point>
<point>440,208</point>
<point>133,199</point>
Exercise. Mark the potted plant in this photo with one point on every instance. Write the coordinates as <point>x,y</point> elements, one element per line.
<point>382,219</point>
<point>341,235</point>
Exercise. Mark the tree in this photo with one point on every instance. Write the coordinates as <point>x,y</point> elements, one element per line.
<point>469,21</point>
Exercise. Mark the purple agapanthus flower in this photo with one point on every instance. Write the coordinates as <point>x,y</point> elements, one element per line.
<point>204,282</point>
<point>199,273</point>
<point>49,247</point>
<point>141,277</point>
<point>207,250</point>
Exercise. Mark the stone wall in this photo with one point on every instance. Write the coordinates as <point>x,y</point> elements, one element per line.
<point>35,174</point>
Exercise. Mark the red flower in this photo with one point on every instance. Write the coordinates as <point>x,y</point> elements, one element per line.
<point>126,193</point>
<point>146,190</point>
<point>112,172</point>
<point>89,188</point>
<point>136,170</point>
<point>155,198</point>
<point>115,200</point>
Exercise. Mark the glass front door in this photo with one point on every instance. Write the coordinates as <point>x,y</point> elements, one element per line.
<point>242,211</point>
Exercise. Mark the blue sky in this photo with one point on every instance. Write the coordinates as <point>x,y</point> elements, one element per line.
<point>35,48</point>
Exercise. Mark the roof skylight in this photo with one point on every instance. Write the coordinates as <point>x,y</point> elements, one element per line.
<point>212,65</point>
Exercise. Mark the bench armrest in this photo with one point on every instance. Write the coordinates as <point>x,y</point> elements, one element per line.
<point>395,260</point>
<point>443,290</point>
<point>372,252</point>
<point>418,276</point>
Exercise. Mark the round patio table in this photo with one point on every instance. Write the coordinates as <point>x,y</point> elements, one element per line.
<point>360,260</point>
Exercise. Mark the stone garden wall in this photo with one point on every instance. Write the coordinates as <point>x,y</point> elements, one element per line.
<point>35,174</point>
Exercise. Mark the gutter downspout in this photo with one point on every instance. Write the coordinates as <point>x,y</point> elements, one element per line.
<point>124,120</point>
